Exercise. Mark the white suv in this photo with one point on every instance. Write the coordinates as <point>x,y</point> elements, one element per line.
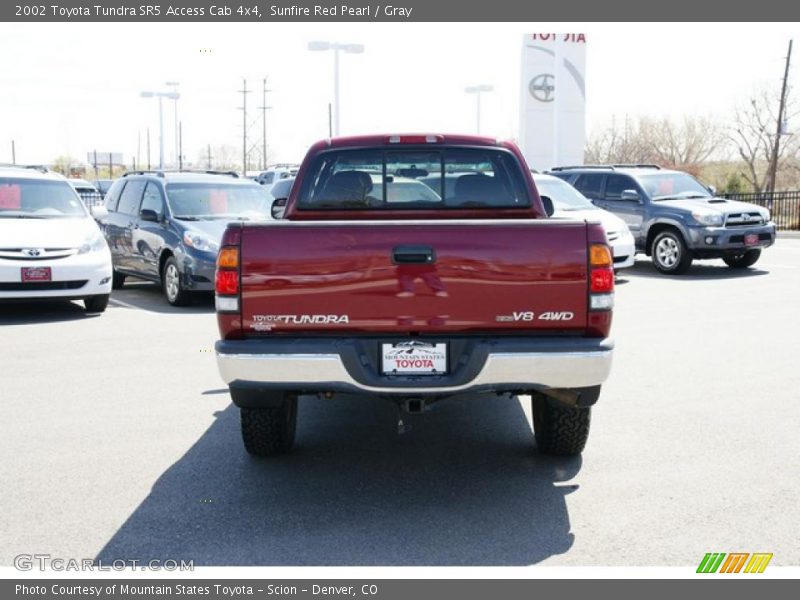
<point>276,173</point>
<point>50,246</point>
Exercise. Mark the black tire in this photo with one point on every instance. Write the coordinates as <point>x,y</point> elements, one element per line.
<point>669,253</point>
<point>117,280</point>
<point>96,304</point>
<point>172,285</point>
<point>560,430</point>
<point>270,431</point>
<point>741,261</point>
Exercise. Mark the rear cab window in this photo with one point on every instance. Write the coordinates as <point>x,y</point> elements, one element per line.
<point>396,179</point>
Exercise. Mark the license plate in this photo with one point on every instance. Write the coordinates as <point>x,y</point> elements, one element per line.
<point>36,274</point>
<point>414,357</point>
<point>751,239</point>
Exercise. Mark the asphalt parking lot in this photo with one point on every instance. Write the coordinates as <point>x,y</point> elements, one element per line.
<point>119,442</point>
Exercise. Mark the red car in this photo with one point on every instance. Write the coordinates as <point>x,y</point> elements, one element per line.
<point>415,268</point>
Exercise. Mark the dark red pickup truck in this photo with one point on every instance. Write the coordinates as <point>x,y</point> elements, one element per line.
<point>414,268</point>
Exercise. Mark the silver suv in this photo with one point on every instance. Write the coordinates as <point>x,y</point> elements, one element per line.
<point>673,217</point>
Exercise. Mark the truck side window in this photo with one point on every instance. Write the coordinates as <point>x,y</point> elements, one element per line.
<point>590,185</point>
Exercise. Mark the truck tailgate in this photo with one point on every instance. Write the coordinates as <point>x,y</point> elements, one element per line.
<point>414,276</point>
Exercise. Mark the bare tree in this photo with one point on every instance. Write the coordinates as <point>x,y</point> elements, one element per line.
<point>223,157</point>
<point>686,145</point>
<point>753,134</point>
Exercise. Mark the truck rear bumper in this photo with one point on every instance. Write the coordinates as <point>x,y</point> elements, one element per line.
<point>349,365</point>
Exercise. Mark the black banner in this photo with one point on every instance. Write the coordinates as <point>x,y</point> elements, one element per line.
<point>403,11</point>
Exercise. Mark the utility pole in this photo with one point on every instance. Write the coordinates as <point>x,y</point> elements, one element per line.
<point>13,153</point>
<point>209,157</point>
<point>148,149</point>
<point>773,165</point>
<point>264,108</point>
<point>244,91</point>
<point>330,121</point>
<point>180,145</point>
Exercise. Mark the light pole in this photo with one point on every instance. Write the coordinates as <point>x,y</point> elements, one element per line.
<point>174,85</point>
<point>161,96</point>
<point>336,47</point>
<point>477,90</point>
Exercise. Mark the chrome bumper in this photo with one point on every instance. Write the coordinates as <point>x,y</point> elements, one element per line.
<point>537,369</point>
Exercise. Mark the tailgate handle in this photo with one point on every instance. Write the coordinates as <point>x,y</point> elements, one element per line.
<point>413,255</point>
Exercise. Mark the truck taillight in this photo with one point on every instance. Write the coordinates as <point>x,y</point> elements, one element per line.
<point>226,281</point>
<point>601,277</point>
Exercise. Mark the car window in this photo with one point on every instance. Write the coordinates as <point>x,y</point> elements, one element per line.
<point>131,196</point>
<point>589,185</point>
<point>218,200</point>
<point>40,199</point>
<point>152,199</point>
<point>616,184</point>
<point>268,177</point>
<point>563,195</point>
<point>112,198</point>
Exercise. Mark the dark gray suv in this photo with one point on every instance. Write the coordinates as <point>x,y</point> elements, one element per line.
<point>166,226</point>
<point>673,217</point>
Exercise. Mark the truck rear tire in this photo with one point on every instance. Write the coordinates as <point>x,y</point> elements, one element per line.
<point>560,430</point>
<point>270,431</point>
<point>670,254</point>
<point>744,260</point>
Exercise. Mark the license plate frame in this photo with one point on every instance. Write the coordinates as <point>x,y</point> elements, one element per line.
<point>751,239</point>
<point>36,274</point>
<point>413,357</point>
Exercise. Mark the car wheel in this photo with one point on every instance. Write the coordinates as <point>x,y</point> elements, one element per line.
<point>270,431</point>
<point>743,260</point>
<point>171,282</point>
<point>117,280</point>
<point>560,430</point>
<point>670,254</point>
<point>96,304</point>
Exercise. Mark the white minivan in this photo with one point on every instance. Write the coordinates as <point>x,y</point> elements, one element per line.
<point>50,246</point>
<point>569,203</point>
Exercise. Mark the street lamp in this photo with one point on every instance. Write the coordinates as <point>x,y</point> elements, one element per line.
<point>477,90</point>
<point>336,47</point>
<point>160,96</point>
<point>174,85</point>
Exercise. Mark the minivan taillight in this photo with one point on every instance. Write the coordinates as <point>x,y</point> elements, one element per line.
<point>226,281</point>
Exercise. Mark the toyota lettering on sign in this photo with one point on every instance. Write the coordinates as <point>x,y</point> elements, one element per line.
<point>552,99</point>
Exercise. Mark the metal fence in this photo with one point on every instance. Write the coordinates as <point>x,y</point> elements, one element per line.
<point>783,206</point>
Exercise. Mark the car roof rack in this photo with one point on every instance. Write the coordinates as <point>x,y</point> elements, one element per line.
<point>611,167</point>
<point>40,168</point>
<point>163,172</point>
<point>637,166</point>
<point>574,167</point>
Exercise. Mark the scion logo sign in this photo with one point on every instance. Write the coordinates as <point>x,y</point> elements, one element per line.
<point>542,88</point>
<point>716,562</point>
